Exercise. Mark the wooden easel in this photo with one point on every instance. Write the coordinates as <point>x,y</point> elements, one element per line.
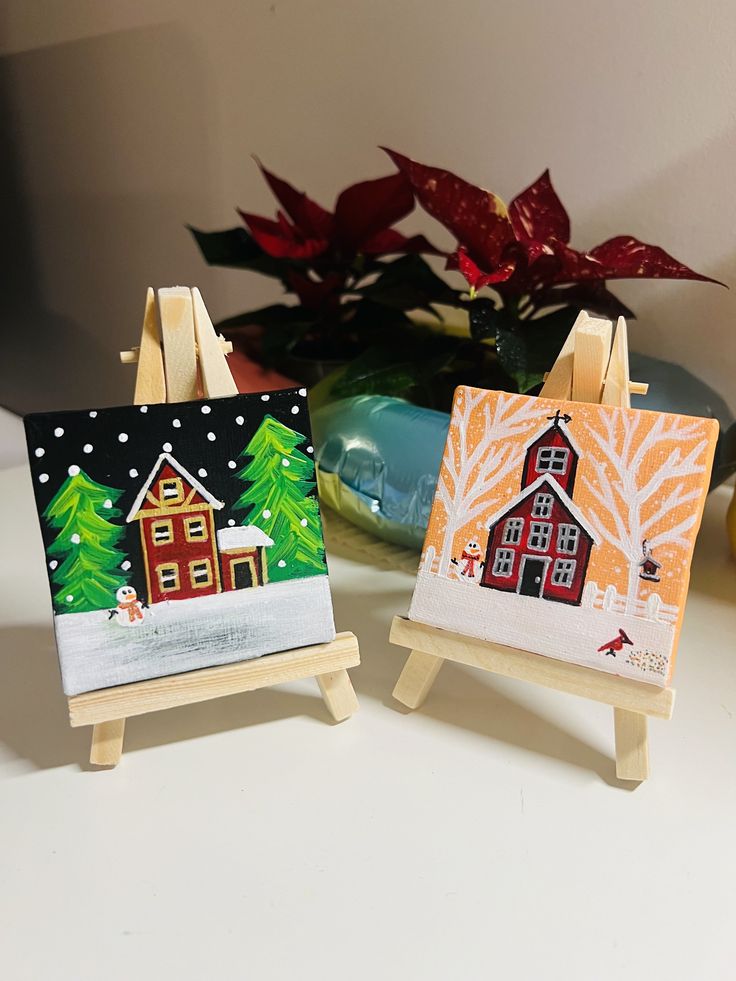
<point>176,361</point>
<point>587,370</point>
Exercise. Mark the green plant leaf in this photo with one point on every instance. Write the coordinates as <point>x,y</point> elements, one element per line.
<point>380,371</point>
<point>408,283</point>
<point>528,348</point>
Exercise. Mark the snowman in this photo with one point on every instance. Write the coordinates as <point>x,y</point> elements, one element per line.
<point>470,556</point>
<point>129,611</point>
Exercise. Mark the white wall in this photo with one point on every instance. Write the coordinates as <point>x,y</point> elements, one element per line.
<point>129,119</point>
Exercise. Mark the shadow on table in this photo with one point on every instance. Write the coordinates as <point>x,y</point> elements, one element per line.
<point>34,720</point>
<point>460,696</point>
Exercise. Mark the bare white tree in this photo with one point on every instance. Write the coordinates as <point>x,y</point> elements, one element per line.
<point>473,467</point>
<point>637,503</point>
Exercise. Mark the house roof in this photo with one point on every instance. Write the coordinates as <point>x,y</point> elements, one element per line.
<point>168,458</point>
<point>650,558</point>
<point>245,536</point>
<point>565,500</point>
<point>566,434</point>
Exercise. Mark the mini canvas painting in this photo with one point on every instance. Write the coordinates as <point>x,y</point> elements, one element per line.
<point>566,529</point>
<point>179,536</point>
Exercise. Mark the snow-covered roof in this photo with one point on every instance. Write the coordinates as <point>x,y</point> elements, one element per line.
<point>565,432</point>
<point>192,481</point>
<point>565,500</point>
<point>244,536</point>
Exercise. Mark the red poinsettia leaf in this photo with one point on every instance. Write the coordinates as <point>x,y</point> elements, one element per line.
<point>371,206</point>
<point>476,217</point>
<point>280,239</point>
<point>625,257</point>
<point>537,214</point>
<point>316,294</point>
<point>391,242</point>
<point>314,220</point>
<point>474,276</point>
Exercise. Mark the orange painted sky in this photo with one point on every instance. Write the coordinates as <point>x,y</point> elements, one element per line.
<point>629,432</point>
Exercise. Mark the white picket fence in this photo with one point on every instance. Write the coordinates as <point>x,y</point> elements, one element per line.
<point>430,562</point>
<point>610,599</point>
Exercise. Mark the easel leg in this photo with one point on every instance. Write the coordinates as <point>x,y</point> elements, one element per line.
<point>417,678</point>
<point>632,748</point>
<point>338,693</point>
<point>107,742</point>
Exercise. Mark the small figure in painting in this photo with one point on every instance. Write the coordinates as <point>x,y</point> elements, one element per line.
<point>471,556</point>
<point>615,645</point>
<point>129,611</point>
<point>649,567</point>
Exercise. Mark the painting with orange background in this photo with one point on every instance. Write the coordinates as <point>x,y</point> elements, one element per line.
<point>566,529</point>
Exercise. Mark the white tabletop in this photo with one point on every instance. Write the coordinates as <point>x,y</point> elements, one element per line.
<point>484,836</point>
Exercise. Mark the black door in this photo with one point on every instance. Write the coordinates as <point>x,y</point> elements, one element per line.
<point>532,577</point>
<point>243,575</point>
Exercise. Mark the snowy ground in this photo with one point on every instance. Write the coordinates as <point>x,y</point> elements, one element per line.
<point>569,633</point>
<point>181,635</point>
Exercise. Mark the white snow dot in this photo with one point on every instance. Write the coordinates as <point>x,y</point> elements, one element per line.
<point>232,464</point>
<point>310,449</point>
<point>58,431</point>
<point>303,522</point>
<point>73,470</point>
<point>88,447</point>
<point>40,452</point>
<point>202,472</point>
<point>266,513</point>
<point>42,478</point>
<point>53,564</point>
<point>231,521</point>
<point>133,472</point>
<point>265,398</point>
<point>93,414</point>
<point>167,447</point>
<point>281,564</point>
<point>76,539</point>
<point>303,392</point>
<point>69,597</point>
<point>108,503</point>
<point>144,408</point>
<point>125,565</point>
<point>285,462</point>
<point>122,437</point>
<point>240,420</point>
<point>294,409</point>
<point>206,410</point>
<point>211,437</point>
<point>176,423</point>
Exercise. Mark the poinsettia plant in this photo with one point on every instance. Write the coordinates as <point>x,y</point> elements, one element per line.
<point>358,282</point>
<point>353,274</point>
<point>522,253</point>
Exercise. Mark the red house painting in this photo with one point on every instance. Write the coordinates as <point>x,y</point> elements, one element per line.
<point>539,544</point>
<point>179,541</point>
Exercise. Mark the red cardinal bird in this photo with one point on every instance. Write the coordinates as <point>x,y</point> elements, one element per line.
<point>617,644</point>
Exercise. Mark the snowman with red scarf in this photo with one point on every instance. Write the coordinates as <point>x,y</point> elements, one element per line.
<point>470,558</point>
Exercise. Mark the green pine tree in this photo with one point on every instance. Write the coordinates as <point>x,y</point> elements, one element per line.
<point>279,478</point>
<point>88,574</point>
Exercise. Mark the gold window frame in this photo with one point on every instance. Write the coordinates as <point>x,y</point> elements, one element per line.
<point>167,501</point>
<point>205,537</point>
<point>165,523</point>
<point>204,584</point>
<point>164,567</point>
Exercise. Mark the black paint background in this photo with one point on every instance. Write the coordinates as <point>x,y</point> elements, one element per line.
<point>110,460</point>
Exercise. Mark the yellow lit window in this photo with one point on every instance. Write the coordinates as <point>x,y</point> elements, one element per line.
<point>200,573</point>
<point>168,577</point>
<point>170,491</point>
<point>162,532</point>
<point>195,529</point>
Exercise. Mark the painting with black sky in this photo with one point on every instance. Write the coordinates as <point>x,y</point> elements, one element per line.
<point>179,536</point>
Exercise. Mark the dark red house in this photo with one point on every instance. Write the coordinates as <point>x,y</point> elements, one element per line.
<point>177,530</point>
<point>539,545</point>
